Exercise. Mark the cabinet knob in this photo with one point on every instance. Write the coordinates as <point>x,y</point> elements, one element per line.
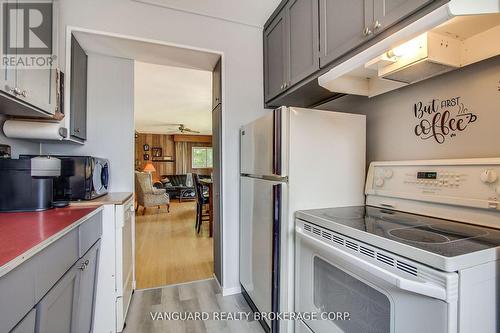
<point>77,130</point>
<point>367,31</point>
<point>377,25</point>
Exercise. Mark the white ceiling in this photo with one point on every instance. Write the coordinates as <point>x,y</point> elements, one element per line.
<point>250,12</point>
<point>172,95</point>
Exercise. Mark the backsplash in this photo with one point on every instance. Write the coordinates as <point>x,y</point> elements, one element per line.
<point>455,115</point>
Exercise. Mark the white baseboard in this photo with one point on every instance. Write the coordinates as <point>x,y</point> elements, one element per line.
<point>231,291</point>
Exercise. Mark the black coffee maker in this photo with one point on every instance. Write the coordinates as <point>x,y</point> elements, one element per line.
<point>27,184</point>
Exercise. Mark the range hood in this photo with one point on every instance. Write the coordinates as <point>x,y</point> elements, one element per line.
<point>459,33</point>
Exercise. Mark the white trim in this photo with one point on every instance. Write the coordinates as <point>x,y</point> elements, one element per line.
<point>231,291</point>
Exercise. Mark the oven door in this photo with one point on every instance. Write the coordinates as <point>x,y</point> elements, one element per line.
<point>331,278</point>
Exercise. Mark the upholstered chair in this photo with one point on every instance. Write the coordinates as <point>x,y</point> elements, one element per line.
<point>147,195</point>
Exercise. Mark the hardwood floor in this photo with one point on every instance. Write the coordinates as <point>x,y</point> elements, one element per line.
<point>168,249</point>
<point>188,298</point>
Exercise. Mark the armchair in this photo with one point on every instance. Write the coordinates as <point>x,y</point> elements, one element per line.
<point>147,195</point>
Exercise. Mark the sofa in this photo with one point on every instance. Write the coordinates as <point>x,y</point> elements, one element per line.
<point>175,186</point>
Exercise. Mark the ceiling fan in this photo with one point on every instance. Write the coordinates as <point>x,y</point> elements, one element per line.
<point>180,127</point>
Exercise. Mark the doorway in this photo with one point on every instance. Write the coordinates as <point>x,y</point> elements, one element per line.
<point>120,47</point>
<point>177,174</point>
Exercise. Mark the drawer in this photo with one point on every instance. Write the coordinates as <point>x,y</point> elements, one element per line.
<point>27,325</point>
<point>89,232</point>
<point>17,292</point>
<point>54,261</point>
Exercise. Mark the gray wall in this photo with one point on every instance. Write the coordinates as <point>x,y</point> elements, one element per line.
<point>110,119</point>
<point>18,146</point>
<point>391,121</point>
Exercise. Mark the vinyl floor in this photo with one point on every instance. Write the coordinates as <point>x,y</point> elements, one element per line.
<point>198,296</point>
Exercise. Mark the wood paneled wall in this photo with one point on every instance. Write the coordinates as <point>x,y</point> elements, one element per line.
<point>167,143</point>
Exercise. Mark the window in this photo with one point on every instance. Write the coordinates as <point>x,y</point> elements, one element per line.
<point>201,157</point>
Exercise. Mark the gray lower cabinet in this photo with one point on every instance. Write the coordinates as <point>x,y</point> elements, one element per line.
<point>87,267</point>
<point>303,39</point>
<point>389,12</point>
<point>55,312</point>
<point>68,306</point>
<point>275,57</point>
<point>343,26</point>
<point>54,291</point>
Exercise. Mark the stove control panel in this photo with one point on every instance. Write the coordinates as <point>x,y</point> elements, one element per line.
<point>472,182</point>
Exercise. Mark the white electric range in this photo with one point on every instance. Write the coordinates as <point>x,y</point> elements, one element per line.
<point>421,256</point>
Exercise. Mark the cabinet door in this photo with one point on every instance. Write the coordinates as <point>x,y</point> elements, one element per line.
<point>56,311</point>
<point>86,290</point>
<point>78,91</point>
<point>343,26</point>
<point>37,88</point>
<point>303,39</point>
<point>275,58</point>
<point>217,85</point>
<point>388,12</point>
<point>217,178</point>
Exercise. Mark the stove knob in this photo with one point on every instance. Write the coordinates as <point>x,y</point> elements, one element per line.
<point>489,176</point>
<point>388,173</point>
<point>379,181</point>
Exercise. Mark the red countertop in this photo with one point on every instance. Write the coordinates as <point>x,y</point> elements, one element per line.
<point>22,232</point>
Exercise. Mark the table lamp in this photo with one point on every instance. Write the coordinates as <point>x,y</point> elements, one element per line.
<point>149,167</point>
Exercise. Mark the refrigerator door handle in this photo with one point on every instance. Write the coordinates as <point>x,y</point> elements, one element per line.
<point>275,296</point>
<point>277,142</point>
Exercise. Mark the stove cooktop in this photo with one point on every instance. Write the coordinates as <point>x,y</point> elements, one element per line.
<point>428,236</point>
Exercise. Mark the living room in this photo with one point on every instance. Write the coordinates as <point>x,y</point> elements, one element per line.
<point>174,159</point>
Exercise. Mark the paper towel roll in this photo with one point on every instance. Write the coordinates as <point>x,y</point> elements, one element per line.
<point>34,130</point>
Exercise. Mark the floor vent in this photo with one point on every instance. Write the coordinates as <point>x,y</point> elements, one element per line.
<point>374,253</point>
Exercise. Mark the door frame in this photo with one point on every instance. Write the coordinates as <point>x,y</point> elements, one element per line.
<point>65,122</point>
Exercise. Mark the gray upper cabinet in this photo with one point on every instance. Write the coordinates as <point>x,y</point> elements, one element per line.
<point>275,45</point>
<point>388,12</point>
<point>344,25</point>
<point>78,98</point>
<point>303,39</point>
<point>30,91</point>
<point>217,85</point>
<point>291,46</point>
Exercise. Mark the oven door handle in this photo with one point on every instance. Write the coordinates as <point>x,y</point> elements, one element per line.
<point>418,287</point>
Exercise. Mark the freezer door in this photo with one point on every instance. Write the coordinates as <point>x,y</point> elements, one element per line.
<point>260,242</point>
<point>261,145</point>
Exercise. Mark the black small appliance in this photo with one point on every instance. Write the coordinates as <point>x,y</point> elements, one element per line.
<point>27,184</point>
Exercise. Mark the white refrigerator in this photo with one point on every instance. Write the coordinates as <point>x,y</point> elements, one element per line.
<point>291,159</point>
